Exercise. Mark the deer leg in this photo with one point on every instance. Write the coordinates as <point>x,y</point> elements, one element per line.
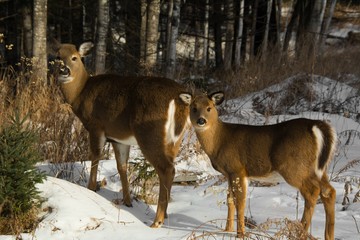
<point>231,208</point>
<point>122,156</point>
<point>310,190</point>
<point>96,145</point>
<point>328,197</point>
<point>166,177</point>
<point>239,185</point>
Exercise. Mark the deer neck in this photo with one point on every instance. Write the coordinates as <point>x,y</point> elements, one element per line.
<point>72,90</point>
<point>211,138</point>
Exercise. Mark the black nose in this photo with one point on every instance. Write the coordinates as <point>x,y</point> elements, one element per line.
<point>64,70</point>
<point>201,121</point>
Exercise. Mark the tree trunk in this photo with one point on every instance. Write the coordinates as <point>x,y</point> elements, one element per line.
<point>199,38</point>
<point>315,23</point>
<point>39,41</point>
<point>132,31</point>
<point>88,12</point>
<point>326,25</point>
<point>260,9</point>
<point>291,25</point>
<point>12,33</point>
<point>275,24</point>
<point>238,33</point>
<point>206,33</point>
<point>170,9</point>
<point>267,26</point>
<point>175,22</point>
<point>246,26</point>
<point>103,25</point>
<point>229,43</point>
<point>152,32</point>
<point>76,15</point>
<point>27,30</point>
<point>143,29</point>
<point>218,20</point>
<point>254,9</point>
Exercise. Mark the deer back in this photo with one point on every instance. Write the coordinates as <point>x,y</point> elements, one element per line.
<point>303,145</point>
<point>122,107</point>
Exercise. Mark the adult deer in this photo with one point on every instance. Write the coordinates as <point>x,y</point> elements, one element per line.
<point>151,112</point>
<point>299,150</point>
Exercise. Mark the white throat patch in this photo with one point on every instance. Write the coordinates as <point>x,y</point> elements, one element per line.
<point>65,79</point>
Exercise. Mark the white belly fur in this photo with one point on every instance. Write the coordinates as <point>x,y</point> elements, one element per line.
<point>127,141</point>
<point>273,177</point>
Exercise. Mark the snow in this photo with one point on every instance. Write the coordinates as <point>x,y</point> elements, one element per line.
<point>199,210</point>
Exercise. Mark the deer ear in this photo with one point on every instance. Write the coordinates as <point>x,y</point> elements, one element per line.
<point>186,98</point>
<point>217,97</point>
<point>85,48</point>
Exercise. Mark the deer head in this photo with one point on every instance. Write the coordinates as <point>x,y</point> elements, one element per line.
<point>202,120</point>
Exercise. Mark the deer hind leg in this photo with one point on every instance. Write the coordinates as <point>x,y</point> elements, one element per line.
<point>164,166</point>
<point>328,197</point>
<point>122,155</point>
<point>96,145</point>
<point>310,190</point>
<point>239,189</point>
<point>166,176</point>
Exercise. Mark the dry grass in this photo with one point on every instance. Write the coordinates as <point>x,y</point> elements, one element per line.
<point>274,67</point>
<point>62,136</point>
<point>23,223</point>
<point>271,229</point>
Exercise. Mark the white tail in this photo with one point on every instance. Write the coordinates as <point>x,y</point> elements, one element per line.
<point>299,150</point>
<point>151,112</point>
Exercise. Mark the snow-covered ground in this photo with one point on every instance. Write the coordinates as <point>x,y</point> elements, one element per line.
<point>199,210</point>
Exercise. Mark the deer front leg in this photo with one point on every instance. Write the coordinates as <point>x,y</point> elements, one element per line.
<point>122,155</point>
<point>231,208</point>
<point>239,190</point>
<point>96,144</point>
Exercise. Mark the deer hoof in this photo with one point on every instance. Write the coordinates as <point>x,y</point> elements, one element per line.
<point>156,224</point>
<point>229,229</point>
<point>242,235</point>
<point>128,204</point>
<point>93,188</point>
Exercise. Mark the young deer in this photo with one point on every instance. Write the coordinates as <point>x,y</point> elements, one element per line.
<point>299,150</point>
<point>151,112</point>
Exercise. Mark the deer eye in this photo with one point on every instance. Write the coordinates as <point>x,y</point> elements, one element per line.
<point>194,110</point>
<point>74,59</point>
<point>208,109</point>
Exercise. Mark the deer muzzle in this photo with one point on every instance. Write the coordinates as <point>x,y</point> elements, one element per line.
<point>201,122</point>
<point>65,71</point>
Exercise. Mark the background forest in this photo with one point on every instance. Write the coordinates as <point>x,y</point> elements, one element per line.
<point>175,38</point>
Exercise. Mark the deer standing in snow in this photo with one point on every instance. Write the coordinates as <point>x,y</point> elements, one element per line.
<point>151,112</point>
<point>299,150</point>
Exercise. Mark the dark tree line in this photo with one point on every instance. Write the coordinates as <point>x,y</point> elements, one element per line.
<point>137,36</point>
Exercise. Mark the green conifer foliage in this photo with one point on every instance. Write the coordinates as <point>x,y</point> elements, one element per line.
<point>18,174</point>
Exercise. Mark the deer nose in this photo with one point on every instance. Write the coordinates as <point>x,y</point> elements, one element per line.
<point>201,121</point>
<point>64,70</point>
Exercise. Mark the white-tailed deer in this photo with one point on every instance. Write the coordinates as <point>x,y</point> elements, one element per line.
<point>299,150</point>
<point>151,112</point>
